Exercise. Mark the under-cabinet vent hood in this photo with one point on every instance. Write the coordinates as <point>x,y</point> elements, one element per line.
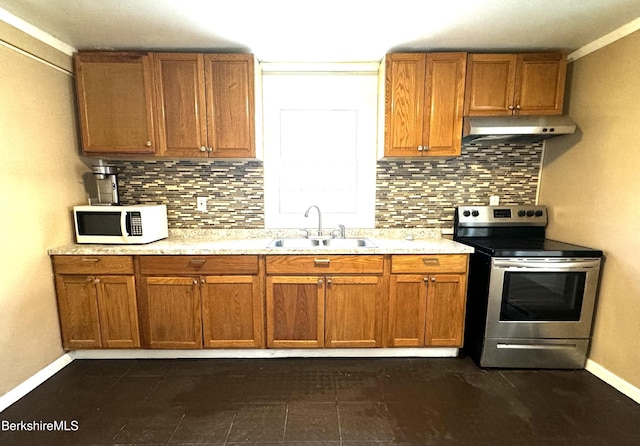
<point>491,130</point>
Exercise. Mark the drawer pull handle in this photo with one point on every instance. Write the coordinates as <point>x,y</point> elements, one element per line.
<point>430,261</point>
<point>197,262</point>
<point>92,260</point>
<point>322,262</point>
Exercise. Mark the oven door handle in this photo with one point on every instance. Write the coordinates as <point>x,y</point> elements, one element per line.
<point>554,264</point>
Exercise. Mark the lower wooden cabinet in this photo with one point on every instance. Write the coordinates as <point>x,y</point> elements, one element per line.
<point>96,311</point>
<point>427,309</point>
<point>203,307</point>
<point>233,312</point>
<point>170,312</point>
<point>236,301</point>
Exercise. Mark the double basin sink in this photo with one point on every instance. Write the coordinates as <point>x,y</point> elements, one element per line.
<point>310,243</point>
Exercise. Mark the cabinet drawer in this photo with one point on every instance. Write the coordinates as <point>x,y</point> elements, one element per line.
<point>324,264</point>
<point>199,264</point>
<point>93,264</point>
<point>448,263</point>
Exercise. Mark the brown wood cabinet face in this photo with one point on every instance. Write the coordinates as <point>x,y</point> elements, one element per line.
<point>424,96</point>
<point>404,104</point>
<point>540,82</point>
<point>407,310</point>
<point>353,311</point>
<point>115,102</point>
<point>170,312</point>
<point>118,311</point>
<point>230,105</point>
<point>295,311</point>
<point>515,84</point>
<point>180,99</point>
<point>232,312</point>
<point>78,310</point>
<point>93,264</point>
<point>445,310</point>
<point>445,98</point>
<point>490,85</point>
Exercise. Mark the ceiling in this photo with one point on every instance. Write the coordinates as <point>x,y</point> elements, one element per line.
<point>326,30</point>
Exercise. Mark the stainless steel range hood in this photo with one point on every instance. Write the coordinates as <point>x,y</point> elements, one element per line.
<point>491,130</point>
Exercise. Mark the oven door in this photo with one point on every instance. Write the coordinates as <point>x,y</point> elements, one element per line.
<point>541,297</point>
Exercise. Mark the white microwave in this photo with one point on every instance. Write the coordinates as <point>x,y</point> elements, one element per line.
<point>120,224</point>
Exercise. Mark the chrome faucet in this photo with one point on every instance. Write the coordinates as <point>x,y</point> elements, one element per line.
<point>306,214</point>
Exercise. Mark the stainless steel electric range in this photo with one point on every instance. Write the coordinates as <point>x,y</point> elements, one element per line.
<point>530,300</point>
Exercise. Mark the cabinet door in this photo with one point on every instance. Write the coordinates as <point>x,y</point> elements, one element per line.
<point>353,311</point>
<point>232,312</point>
<point>78,310</point>
<point>170,310</point>
<point>540,81</point>
<point>490,84</point>
<point>407,310</point>
<point>295,311</point>
<point>180,104</point>
<point>445,310</point>
<point>118,311</point>
<point>115,102</point>
<point>404,104</point>
<point>230,105</point>
<point>444,104</point>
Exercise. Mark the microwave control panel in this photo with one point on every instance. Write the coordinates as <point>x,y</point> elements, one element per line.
<point>136,223</point>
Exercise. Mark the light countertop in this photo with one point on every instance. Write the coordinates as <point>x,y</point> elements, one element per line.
<point>237,242</point>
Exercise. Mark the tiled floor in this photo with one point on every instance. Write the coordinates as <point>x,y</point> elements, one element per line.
<point>322,402</point>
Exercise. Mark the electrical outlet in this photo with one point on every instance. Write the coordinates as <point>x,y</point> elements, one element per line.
<point>202,204</point>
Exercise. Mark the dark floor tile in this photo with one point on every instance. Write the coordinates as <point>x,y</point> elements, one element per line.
<point>365,422</point>
<point>258,423</point>
<point>312,385</point>
<point>150,367</point>
<point>151,426</point>
<point>312,422</point>
<point>358,386</point>
<point>204,427</point>
<point>100,367</point>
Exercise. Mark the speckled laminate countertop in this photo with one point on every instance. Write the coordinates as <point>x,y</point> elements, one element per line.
<point>256,241</point>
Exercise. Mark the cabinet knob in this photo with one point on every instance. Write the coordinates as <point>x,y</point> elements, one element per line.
<point>96,281</point>
<point>329,282</point>
<point>195,282</point>
<point>420,148</point>
<point>149,144</point>
<point>203,149</point>
<point>511,107</point>
<point>209,149</point>
<point>518,107</point>
<point>433,279</point>
<point>320,281</point>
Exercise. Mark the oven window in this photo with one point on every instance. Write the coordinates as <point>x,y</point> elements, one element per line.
<point>542,296</point>
<point>99,223</point>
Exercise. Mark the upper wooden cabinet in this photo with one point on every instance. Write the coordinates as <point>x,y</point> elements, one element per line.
<point>166,104</point>
<point>519,84</point>
<point>205,105</point>
<point>115,102</point>
<point>424,96</point>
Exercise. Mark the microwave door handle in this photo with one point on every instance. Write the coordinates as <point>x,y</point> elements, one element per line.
<point>125,224</point>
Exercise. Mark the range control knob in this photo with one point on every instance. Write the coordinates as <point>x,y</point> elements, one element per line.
<point>521,213</point>
<point>530,213</point>
<point>466,213</point>
<point>475,213</point>
<point>539,213</point>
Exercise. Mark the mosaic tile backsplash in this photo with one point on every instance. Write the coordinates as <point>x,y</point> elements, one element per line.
<point>409,193</point>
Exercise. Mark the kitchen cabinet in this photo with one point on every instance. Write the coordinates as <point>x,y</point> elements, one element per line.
<point>115,103</point>
<point>424,96</point>
<point>192,302</point>
<point>515,84</point>
<point>96,301</point>
<point>206,105</point>
<point>327,301</point>
<point>427,300</point>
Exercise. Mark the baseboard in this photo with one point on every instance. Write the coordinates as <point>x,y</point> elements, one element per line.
<point>613,380</point>
<point>267,353</point>
<point>34,381</point>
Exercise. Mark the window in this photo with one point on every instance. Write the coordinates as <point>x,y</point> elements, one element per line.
<point>320,148</point>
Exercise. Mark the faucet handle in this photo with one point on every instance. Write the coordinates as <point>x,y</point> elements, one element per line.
<point>305,232</point>
<point>339,232</point>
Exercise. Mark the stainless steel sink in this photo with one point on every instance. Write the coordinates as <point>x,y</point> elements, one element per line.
<point>348,243</point>
<point>299,243</point>
<point>305,243</point>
